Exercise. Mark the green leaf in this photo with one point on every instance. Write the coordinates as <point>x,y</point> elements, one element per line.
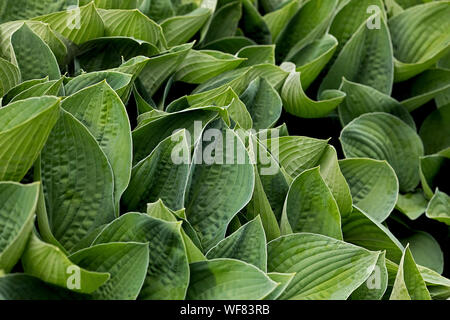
<point>78,182</point>
<point>413,205</point>
<point>277,19</point>
<point>18,204</point>
<point>77,25</point>
<point>435,130</point>
<point>420,38</point>
<point>100,109</point>
<point>23,9</point>
<point>253,24</point>
<point>263,103</point>
<point>217,164</point>
<point>409,284</point>
<point>168,270</point>
<point>361,229</point>
<point>229,44</point>
<point>25,126</point>
<point>180,29</point>
<point>432,170</point>
<point>283,280</point>
<point>200,66</point>
<point>126,263</point>
<point>382,136</point>
<point>130,23</point>
<point>439,207</point>
<point>20,88</point>
<point>224,22</point>
<point>9,76</point>
<point>50,264</point>
<point>376,285</point>
<point>257,54</point>
<point>228,279</point>
<point>247,244</point>
<point>363,99</point>
<point>311,207</point>
<point>161,175</point>
<point>366,58</point>
<point>373,185</point>
<point>33,56</point>
<point>325,268</point>
<point>113,4</point>
<point>49,88</point>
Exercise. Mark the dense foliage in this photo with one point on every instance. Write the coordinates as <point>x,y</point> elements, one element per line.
<point>147,149</point>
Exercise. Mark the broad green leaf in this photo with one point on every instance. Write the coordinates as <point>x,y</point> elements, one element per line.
<point>25,126</point>
<point>180,29</point>
<point>50,264</point>
<point>113,4</point>
<point>17,207</point>
<point>19,286</point>
<point>25,9</point>
<point>130,23</point>
<point>9,76</point>
<point>217,164</point>
<point>435,130</point>
<point>161,175</point>
<point>77,25</point>
<point>263,103</point>
<point>363,99</point>
<point>200,66</point>
<point>168,271</point>
<point>433,170</point>
<point>125,262</point>
<point>420,38</point>
<point>228,279</point>
<point>366,58</point>
<point>253,24</point>
<point>100,109</point>
<point>33,56</point>
<point>78,182</point>
<point>376,285</point>
<point>247,244</point>
<point>325,268</point>
<point>308,24</point>
<point>413,205</point>
<point>425,250</point>
<point>224,22</point>
<point>229,44</point>
<point>335,180</point>
<point>382,136</point>
<point>373,185</point>
<point>49,88</point>
<point>296,102</point>
<point>409,284</point>
<point>284,279</point>
<point>20,88</point>
<point>439,207</point>
<point>276,19</point>
<point>311,207</point>
<point>257,54</point>
<point>361,229</point>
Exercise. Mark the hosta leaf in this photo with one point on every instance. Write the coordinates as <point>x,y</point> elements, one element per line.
<point>113,4</point>
<point>210,204</point>
<point>168,270</point>
<point>50,264</point>
<point>200,66</point>
<point>23,9</point>
<point>325,268</point>
<point>409,284</point>
<point>25,126</point>
<point>180,29</point>
<point>313,58</point>
<point>263,103</point>
<point>19,88</point>
<point>366,58</point>
<point>373,185</point>
<point>125,262</point>
<point>229,44</point>
<point>9,76</point>
<point>433,169</point>
<point>33,56</point>
<point>253,25</point>
<point>50,88</point>
<point>247,244</point>
<point>276,19</point>
<point>439,207</point>
<point>284,279</point>
<point>296,101</point>
<point>435,130</point>
<point>361,229</point>
<point>413,205</point>
<point>382,136</point>
<point>257,54</point>
<point>18,204</point>
<point>363,99</point>
<point>161,175</point>
<point>376,285</point>
<point>224,21</point>
<point>309,23</point>
<point>100,109</point>
<point>130,23</point>
<point>228,279</point>
<point>420,38</point>
<point>19,286</point>
<point>77,25</point>
<point>311,207</point>
<point>78,182</point>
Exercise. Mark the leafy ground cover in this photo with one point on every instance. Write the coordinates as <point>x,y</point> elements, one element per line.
<point>217,149</point>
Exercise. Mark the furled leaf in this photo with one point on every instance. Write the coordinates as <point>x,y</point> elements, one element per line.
<point>435,130</point>
<point>9,76</point>
<point>412,205</point>
<point>284,279</point>
<point>439,207</point>
<point>376,285</point>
